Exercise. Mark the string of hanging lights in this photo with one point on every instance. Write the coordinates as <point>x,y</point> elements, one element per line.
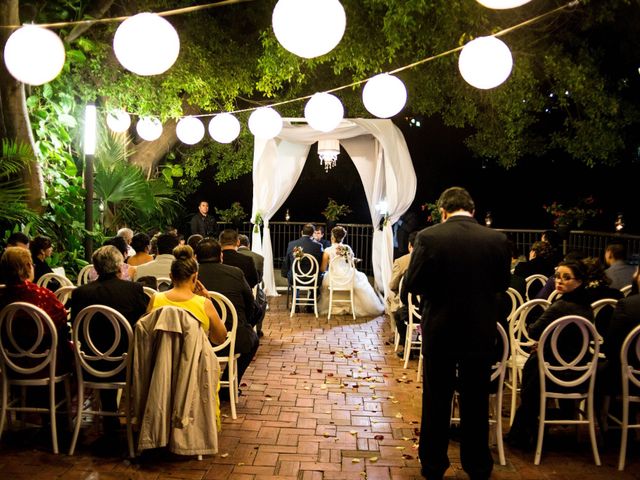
<point>35,55</point>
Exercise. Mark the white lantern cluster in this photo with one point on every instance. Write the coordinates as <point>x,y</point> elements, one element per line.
<point>502,4</point>
<point>118,121</point>
<point>149,128</point>
<point>324,112</point>
<point>384,95</point>
<point>224,128</point>
<point>190,130</point>
<point>309,28</point>
<point>265,123</point>
<point>485,62</point>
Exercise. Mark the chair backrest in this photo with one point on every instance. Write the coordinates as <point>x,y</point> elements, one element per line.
<point>554,295</point>
<point>572,372</point>
<point>499,368</point>
<point>630,360</point>
<point>164,283</point>
<point>342,273</point>
<point>94,359</point>
<point>150,292</point>
<point>414,308</point>
<point>63,294</point>
<point>516,301</point>
<point>225,308</point>
<point>520,339</point>
<point>602,313</point>
<point>41,353</point>
<point>531,280</point>
<point>83,275</point>
<point>626,290</point>
<point>45,279</point>
<point>305,271</point>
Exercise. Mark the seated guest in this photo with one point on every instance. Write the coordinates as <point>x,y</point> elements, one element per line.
<point>395,308</point>
<point>141,243</point>
<point>17,270</point>
<point>230,282</point>
<point>18,239</point>
<point>193,241</point>
<point>161,266</point>
<point>111,290</point>
<point>306,243</point>
<point>619,271</point>
<point>127,271</point>
<point>571,280</point>
<point>244,248</point>
<point>189,293</point>
<point>41,249</point>
<point>127,234</point>
<point>540,263</point>
<point>318,236</point>
<point>553,238</point>
<point>550,286</point>
<point>229,243</point>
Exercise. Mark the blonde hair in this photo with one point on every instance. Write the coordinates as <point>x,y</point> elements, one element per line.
<point>14,264</point>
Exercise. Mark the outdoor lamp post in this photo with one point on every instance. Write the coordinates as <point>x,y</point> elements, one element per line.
<point>90,127</point>
<point>619,223</point>
<point>488,220</point>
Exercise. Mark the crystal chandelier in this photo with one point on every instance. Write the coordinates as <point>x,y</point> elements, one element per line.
<point>328,151</point>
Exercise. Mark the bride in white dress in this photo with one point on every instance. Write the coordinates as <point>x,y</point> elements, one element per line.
<point>365,299</point>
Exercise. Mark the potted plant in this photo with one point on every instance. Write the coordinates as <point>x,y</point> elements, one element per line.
<point>234,215</point>
<point>333,211</point>
<point>433,212</point>
<point>565,218</point>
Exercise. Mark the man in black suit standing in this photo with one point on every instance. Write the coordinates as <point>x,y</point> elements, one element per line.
<point>307,244</point>
<point>460,269</point>
<point>202,223</point>
<point>229,243</point>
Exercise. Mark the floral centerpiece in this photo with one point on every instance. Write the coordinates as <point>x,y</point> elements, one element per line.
<point>298,253</point>
<point>433,211</point>
<point>575,215</point>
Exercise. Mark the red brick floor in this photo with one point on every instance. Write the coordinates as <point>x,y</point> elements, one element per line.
<point>322,400</point>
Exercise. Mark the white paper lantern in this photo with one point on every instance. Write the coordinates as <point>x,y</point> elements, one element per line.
<point>324,112</point>
<point>502,4</point>
<point>118,121</point>
<point>265,123</point>
<point>224,128</point>
<point>384,95</point>
<point>34,55</point>
<point>149,128</point>
<point>485,62</point>
<point>309,28</point>
<point>190,130</point>
<point>146,44</point>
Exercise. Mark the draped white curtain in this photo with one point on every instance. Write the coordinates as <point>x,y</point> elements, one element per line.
<point>381,156</point>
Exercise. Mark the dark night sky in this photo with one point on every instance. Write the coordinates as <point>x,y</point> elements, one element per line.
<point>515,197</point>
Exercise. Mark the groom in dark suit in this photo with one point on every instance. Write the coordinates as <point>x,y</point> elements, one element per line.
<point>307,244</point>
<point>460,269</point>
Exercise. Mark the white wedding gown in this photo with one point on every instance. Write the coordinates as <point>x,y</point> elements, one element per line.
<point>365,299</point>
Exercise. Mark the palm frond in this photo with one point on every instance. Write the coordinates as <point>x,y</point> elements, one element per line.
<point>14,157</point>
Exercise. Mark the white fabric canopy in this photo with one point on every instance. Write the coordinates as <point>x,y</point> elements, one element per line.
<point>381,156</point>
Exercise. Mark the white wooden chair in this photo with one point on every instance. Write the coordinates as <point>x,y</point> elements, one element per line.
<point>630,366</point>
<point>516,301</point>
<point>532,279</point>
<point>83,275</point>
<point>150,292</point>
<point>225,309</point>
<point>63,294</point>
<point>626,290</point>
<point>305,280</point>
<point>47,278</point>
<point>164,283</point>
<point>412,329</point>
<point>102,367</point>
<point>24,361</point>
<point>554,296</point>
<point>498,371</point>
<point>520,346</point>
<point>557,374</point>
<point>600,308</point>
<point>342,274</point>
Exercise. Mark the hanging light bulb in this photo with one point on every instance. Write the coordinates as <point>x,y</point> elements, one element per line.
<point>324,112</point>
<point>118,121</point>
<point>502,4</point>
<point>485,62</point>
<point>384,95</point>
<point>265,123</point>
<point>224,128</point>
<point>190,130</point>
<point>328,151</point>
<point>146,44</point>
<point>34,55</point>
<point>149,128</point>
<point>309,28</point>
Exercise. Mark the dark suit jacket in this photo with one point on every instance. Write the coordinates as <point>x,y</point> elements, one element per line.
<point>308,245</point>
<point>230,282</point>
<point>204,225</point>
<point>258,260</point>
<point>244,263</point>
<point>625,318</point>
<point>461,269</point>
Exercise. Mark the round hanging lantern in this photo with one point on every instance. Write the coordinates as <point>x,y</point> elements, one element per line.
<point>118,121</point>
<point>190,130</point>
<point>149,128</point>
<point>265,123</point>
<point>34,55</point>
<point>324,112</point>
<point>502,4</point>
<point>309,28</point>
<point>485,62</point>
<point>384,95</point>
<point>146,44</point>
<point>224,128</point>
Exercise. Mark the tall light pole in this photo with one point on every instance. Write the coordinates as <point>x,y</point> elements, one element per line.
<point>90,134</point>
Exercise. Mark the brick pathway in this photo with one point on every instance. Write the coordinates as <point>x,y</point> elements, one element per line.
<point>322,400</point>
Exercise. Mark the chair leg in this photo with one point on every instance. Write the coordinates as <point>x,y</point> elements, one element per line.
<point>407,346</point>
<point>67,392</point>
<point>5,401</point>
<point>353,308</point>
<point>419,373</point>
<point>315,301</point>
<point>543,411</point>
<point>293,301</point>
<point>592,429</point>
<point>514,392</point>
<point>624,434</point>
<point>76,429</point>
<point>127,394</point>
<point>232,393</point>
<point>52,414</point>
<point>330,303</point>
<point>498,416</point>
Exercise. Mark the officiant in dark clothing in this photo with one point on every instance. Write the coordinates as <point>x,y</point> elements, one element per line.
<point>230,282</point>
<point>202,223</point>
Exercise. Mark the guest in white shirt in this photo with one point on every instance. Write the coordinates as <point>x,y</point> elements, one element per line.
<point>161,266</point>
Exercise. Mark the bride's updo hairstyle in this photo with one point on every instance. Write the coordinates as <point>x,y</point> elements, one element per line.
<point>338,234</point>
<point>184,265</point>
